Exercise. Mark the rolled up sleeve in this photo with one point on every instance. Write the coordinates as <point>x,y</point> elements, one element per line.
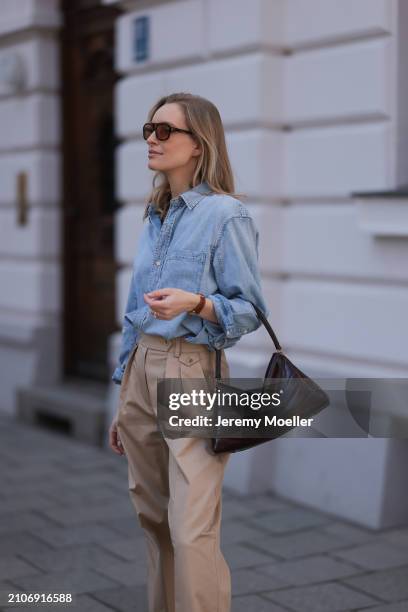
<point>129,335</point>
<point>236,270</point>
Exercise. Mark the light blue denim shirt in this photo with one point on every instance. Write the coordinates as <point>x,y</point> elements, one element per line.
<point>208,242</point>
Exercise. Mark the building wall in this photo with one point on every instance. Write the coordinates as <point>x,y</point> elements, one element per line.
<point>30,295</point>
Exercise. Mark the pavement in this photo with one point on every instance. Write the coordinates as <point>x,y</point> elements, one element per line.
<point>67,526</point>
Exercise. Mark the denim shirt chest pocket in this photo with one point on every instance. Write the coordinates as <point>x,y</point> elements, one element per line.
<point>183,268</point>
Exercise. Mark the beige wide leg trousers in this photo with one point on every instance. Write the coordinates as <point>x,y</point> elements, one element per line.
<point>175,485</point>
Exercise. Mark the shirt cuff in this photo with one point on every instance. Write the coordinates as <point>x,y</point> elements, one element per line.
<point>117,375</point>
<point>224,333</point>
<point>217,337</point>
<point>233,321</point>
<point>202,331</point>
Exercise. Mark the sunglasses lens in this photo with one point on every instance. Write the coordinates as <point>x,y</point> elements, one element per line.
<point>162,131</point>
<point>147,130</point>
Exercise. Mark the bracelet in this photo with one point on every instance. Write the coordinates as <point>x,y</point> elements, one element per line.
<point>197,309</point>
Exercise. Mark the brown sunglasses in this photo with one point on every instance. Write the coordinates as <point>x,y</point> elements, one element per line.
<point>163,130</point>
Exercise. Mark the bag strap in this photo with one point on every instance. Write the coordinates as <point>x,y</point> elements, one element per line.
<point>269,329</point>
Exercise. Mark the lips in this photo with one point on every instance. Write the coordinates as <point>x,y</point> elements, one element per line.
<point>154,152</point>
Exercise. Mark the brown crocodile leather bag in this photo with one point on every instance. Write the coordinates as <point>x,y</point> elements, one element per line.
<point>303,396</point>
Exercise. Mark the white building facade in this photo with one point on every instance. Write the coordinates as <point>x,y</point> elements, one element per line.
<point>313,97</point>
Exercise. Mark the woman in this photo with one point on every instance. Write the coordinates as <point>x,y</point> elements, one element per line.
<point>198,239</point>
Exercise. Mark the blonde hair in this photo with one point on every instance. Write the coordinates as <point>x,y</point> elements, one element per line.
<point>213,165</point>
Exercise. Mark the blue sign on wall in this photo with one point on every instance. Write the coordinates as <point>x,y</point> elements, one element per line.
<point>141,36</point>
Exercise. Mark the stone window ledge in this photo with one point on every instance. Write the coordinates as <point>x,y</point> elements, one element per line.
<point>383,213</point>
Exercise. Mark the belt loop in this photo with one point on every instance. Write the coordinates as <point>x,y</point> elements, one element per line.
<point>177,349</point>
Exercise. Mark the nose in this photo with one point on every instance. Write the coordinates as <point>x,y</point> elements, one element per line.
<point>154,143</point>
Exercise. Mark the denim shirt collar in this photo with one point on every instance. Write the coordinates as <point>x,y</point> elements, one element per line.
<point>190,198</point>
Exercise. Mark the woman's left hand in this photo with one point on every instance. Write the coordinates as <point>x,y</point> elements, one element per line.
<point>169,301</point>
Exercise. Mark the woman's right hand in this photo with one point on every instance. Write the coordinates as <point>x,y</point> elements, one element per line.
<point>115,442</point>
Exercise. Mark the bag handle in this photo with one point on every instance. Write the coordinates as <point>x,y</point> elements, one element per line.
<point>269,329</point>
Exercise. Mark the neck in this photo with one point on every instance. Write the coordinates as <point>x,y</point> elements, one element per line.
<point>179,184</point>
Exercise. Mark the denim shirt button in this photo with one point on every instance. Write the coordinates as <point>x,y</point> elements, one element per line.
<point>157,262</point>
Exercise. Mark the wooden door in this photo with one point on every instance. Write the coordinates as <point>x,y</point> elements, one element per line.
<point>87,53</point>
